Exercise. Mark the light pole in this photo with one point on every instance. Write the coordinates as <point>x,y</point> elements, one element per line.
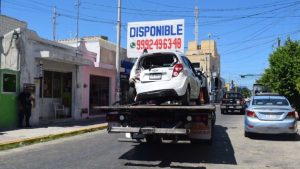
<point>118,53</point>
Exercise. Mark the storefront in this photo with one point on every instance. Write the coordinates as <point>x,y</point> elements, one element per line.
<point>56,92</point>
<point>98,84</point>
<point>51,70</point>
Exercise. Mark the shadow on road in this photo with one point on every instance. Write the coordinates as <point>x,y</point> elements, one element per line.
<point>233,113</point>
<point>272,137</point>
<point>220,152</point>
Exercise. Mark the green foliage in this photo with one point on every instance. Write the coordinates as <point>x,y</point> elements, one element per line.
<point>245,92</point>
<point>283,75</point>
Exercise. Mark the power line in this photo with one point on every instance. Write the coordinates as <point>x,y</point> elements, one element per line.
<point>146,12</point>
<point>259,32</point>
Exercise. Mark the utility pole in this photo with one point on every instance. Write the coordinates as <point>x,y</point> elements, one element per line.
<point>77,29</point>
<point>278,42</point>
<point>54,23</point>
<point>0,7</point>
<point>196,22</point>
<point>118,90</point>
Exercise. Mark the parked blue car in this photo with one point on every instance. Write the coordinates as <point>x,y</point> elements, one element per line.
<point>270,114</point>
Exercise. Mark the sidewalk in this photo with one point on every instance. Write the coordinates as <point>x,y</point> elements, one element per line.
<point>18,137</point>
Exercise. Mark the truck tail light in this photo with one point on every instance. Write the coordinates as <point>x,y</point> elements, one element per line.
<point>291,115</point>
<point>250,113</point>
<point>177,69</point>
<point>242,101</point>
<point>137,74</point>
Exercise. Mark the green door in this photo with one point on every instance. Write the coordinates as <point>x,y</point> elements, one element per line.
<point>9,89</point>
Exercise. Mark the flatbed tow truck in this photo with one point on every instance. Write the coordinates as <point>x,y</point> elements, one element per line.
<point>164,122</point>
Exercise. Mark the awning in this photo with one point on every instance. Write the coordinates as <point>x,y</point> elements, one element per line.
<point>65,57</point>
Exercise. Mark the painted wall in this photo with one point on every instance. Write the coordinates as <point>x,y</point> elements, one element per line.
<point>85,78</point>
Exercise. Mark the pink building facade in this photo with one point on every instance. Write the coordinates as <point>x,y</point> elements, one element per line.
<point>97,83</point>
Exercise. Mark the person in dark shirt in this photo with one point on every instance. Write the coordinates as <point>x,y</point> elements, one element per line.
<point>25,105</point>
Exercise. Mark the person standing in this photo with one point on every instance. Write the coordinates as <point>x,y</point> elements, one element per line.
<point>25,106</point>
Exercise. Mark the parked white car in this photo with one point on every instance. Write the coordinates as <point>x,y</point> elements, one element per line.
<point>166,76</point>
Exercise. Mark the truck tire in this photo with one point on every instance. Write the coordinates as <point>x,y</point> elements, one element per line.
<point>152,139</point>
<point>210,141</point>
<point>131,94</point>
<point>185,100</point>
<point>196,141</point>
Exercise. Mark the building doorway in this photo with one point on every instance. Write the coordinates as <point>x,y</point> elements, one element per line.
<point>99,93</point>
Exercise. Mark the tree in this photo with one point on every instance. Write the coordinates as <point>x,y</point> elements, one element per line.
<point>245,92</point>
<point>283,74</point>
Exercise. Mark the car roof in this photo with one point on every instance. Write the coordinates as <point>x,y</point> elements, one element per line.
<point>267,94</point>
<point>269,97</point>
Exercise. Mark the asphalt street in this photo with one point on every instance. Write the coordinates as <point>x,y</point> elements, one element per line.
<point>98,150</point>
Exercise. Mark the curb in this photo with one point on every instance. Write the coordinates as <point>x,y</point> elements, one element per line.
<point>45,138</point>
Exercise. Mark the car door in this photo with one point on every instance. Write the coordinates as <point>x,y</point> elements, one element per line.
<point>193,79</point>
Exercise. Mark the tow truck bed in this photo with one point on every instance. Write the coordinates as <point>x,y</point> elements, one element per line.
<point>164,121</point>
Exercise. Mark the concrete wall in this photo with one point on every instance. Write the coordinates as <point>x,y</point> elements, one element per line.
<point>7,24</point>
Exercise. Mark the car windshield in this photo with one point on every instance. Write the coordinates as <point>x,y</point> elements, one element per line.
<point>268,102</point>
<point>158,60</point>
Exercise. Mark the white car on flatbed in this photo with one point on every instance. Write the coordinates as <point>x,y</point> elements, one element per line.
<point>165,76</point>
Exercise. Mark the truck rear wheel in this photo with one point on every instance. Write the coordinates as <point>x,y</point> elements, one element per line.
<point>152,139</point>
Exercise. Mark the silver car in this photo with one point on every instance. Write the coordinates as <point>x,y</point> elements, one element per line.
<point>270,114</point>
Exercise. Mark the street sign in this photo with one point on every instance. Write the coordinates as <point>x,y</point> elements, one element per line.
<point>155,36</point>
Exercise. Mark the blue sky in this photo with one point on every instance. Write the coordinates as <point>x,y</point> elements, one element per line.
<point>246,31</point>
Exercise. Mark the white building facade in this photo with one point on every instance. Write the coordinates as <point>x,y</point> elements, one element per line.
<point>51,70</point>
